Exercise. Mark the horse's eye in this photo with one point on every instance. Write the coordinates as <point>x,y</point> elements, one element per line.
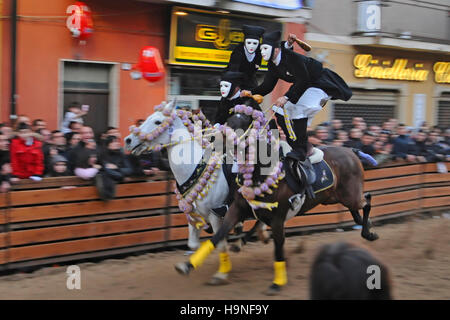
<point>157,122</point>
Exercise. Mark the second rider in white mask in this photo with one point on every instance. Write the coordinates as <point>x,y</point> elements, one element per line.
<point>246,56</point>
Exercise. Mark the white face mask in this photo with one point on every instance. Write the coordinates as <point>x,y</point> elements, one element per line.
<point>266,52</point>
<point>225,88</point>
<point>251,45</point>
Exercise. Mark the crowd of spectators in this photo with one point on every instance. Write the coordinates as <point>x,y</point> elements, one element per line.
<point>29,150</point>
<point>390,141</point>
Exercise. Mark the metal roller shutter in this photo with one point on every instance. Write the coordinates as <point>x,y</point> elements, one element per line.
<point>443,119</point>
<point>375,106</point>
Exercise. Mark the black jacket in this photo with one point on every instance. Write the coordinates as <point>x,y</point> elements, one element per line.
<point>353,143</point>
<point>4,159</point>
<point>120,160</point>
<point>303,72</point>
<point>239,63</point>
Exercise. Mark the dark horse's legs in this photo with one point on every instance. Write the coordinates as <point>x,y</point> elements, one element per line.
<point>365,233</point>
<point>356,217</point>
<point>278,218</point>
<point>364,221</point>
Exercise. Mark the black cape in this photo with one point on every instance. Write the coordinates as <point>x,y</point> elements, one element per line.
<point>303,72</point>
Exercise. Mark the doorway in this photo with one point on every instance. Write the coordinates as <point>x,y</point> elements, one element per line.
<point>88,83</point>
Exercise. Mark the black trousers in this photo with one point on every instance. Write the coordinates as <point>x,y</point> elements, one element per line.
<point>300,145</point>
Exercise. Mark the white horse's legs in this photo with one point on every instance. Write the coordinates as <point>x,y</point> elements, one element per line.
<point>194,238</point>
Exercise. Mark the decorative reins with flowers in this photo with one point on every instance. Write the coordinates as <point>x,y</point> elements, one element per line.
<point>200,188</point>
<point>171,115</point>
<point>250,190</point>
<point>206,179</point>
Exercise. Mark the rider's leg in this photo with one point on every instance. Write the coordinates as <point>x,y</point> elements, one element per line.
<point>299,145</point>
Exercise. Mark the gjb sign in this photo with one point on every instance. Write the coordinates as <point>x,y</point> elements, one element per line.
<point>203,38</point>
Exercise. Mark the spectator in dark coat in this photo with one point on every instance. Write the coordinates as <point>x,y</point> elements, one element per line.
<point>403,145</point>
<point>56,146</point>
<point>367,143</point>
<point>27,159</point>
<point>115,168</point>
<point>419,149</point>
<point>58,167</point>
<point>5,164</point>
<point>86,165</point>
<point>354,140</point>
<point>72,140</point>
<point>438,150</point>
<point>336,126</point>
<point>87,134</point>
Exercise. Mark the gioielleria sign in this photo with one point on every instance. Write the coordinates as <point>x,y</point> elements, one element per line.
<point>368,67</point>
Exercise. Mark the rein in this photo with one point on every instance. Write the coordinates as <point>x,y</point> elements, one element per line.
<point>249,190</point>
<point>197,186</point>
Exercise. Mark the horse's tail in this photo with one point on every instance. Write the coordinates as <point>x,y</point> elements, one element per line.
<point>364,156</point>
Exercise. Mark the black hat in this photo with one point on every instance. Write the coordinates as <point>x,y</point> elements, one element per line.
<point>233,77</point>
<point>272,38</point>
<point>252,32</point>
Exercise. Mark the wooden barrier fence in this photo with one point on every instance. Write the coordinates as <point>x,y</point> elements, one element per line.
<point>63,219</point>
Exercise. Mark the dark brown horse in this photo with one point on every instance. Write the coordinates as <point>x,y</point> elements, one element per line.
<point>347,190</point>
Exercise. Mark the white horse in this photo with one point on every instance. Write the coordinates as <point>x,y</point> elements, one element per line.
<point>185,154</point>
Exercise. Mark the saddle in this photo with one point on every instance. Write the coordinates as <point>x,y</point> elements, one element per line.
<point>304,172</point>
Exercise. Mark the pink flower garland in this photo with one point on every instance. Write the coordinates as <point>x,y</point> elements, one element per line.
<point>248,190</point>
<point>210,174</point>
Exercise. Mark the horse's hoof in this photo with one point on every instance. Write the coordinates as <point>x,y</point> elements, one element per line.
<point>183,268</point>
<point>370,236</point>
<point>218,280</point>
<point>273,290</point>
<point>235,248</point>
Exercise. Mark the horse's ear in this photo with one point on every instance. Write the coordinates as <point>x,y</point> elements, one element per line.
<point>170,106</point>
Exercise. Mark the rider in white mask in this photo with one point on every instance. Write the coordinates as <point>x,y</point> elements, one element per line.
<point>225,88</point>
<point>251,45</point>
<point>246,56</point>
<point>312,86</point>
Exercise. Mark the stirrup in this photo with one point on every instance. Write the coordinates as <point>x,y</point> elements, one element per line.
<point>308,170</point>
<point>305,169</point>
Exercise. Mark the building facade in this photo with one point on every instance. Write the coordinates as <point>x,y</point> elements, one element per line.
<point>394,55</point>
<point>52,68</point>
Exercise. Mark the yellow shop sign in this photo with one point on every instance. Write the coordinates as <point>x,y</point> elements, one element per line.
<point>367,67</point>
<point>442,72</point>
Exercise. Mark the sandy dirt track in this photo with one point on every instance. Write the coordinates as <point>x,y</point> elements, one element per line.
<point>417,250</point>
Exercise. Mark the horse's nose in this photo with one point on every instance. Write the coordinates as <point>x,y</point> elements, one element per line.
<point>128,140</point>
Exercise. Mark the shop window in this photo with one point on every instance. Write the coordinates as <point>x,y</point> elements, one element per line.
<point>198,82</point>
<point>199,87</point>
